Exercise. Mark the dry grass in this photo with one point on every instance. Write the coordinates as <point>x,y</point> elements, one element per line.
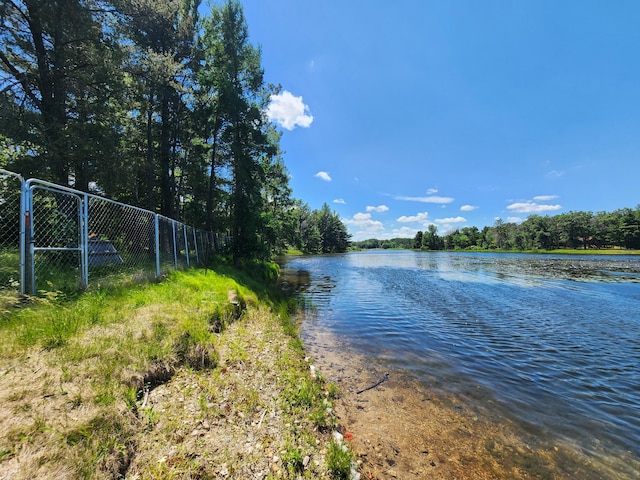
<point>233,422</point>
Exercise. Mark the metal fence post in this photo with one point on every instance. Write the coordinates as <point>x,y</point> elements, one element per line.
<point>175,250</point>
<point>84,242</point>
<point>23,237</point>
<point>195,244</point>
<point>186,243</point>
<point>157,228</point>
<point>30,240</point>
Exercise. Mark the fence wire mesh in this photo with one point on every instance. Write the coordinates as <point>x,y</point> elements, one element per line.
<point>10,193</point>
<point>57,238</point>
<point>121,240</point>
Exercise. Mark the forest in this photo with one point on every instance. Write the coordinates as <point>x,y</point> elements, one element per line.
<point>151,104</point>
<point>619,229</point>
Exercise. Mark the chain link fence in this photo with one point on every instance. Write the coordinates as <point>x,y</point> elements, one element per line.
<point>10,198</point>
<point>58,238</point>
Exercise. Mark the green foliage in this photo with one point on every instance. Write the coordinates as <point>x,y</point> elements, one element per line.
<point>393,243</point>
<point>320,231</point>
<point>293,460</point>
<point>333,233</point>
<point>339,460</point>
<point>9,268</point>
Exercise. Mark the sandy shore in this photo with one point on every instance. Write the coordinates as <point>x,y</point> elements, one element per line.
<point>403,429</point>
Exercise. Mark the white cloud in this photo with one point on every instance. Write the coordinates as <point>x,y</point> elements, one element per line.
<point>404,232</point>
<point>323,176</point>
<point>364,218</point>
<point>555,174</point>
<point>288,111</point>
<point>514,220</point>
<point>544,198</point>
<point>532,207</point>
<point>378,209</point>
<point>429,199</point>
<point>363,226</point>
<point>340,201</point>
<point>448,225</point>
<point>457,219</point>
<point>420,217</point>
<point>431,191</point>
<point>468,208</point>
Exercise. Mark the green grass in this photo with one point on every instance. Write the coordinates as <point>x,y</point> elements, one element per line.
<point>9,268</point>
<point>339,460</point>
<point>52,319</point>
<point>105,347</point>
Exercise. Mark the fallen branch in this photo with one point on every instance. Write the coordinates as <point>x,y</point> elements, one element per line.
<point>384,378</point>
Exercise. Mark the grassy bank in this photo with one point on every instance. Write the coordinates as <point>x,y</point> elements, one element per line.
<point>199,376</point>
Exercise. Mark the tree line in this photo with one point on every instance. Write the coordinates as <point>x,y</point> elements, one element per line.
<point>572,230</point>
<point>147,103</point>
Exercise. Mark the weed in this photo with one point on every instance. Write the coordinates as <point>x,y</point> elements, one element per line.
<point>150,416</point>
<point>105,398</point>
<point>131,398</point>
<point>306,393</point>
<point>293,459</point>
<point>321,418</point>
<point>333,391</point>
<point>339,460</point>
<point>5,453</point>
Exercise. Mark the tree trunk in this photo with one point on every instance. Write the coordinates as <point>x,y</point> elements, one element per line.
<point>166,197</point>
<point>150,164</point>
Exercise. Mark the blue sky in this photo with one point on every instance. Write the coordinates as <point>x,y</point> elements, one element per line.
<point>455,113</point>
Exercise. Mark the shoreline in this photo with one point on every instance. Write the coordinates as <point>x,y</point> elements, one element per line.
<point>405,429</point>
<point>560,251</point>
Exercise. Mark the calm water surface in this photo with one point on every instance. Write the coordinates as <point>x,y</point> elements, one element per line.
<point>555,340</point>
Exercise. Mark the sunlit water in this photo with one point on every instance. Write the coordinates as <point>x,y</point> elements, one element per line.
<point>554,339</point>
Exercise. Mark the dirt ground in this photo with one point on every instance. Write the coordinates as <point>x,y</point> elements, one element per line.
<point>401,429</point>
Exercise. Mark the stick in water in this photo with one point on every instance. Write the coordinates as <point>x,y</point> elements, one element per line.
<point>386,375</point>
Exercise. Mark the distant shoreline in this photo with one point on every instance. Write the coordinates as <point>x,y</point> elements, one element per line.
<point>560,251</point>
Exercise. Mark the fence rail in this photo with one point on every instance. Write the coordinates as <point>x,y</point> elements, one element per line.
<point>57,238</point>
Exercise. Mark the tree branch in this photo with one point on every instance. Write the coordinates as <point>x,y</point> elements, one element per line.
<point>20,77</point>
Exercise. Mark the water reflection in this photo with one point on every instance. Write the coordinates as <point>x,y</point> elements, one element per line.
<point>555,339</point>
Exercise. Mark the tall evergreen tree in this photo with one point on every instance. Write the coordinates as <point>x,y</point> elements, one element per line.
<point>163,34</point>
<point>334,237</point>
<point>57,75</point>
<point>240,127</point>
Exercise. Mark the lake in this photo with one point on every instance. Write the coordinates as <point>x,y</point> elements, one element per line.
<point>553,339</point>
